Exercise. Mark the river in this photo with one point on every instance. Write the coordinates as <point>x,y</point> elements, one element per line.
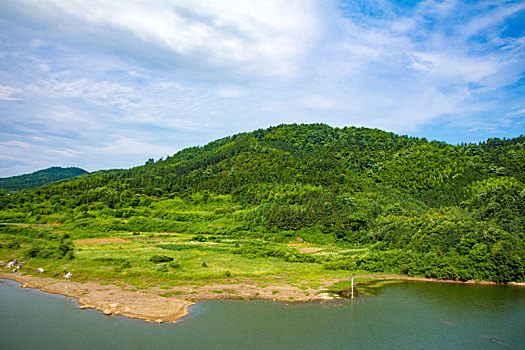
<point>407,315</point>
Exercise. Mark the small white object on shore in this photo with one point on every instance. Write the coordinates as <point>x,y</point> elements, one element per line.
<point>66,277</point>
<point>41,270</point>
<point>10,264</point>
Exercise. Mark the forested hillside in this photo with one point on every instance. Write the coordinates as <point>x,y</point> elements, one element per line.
<point>39,178</point>
<point>419,207</point>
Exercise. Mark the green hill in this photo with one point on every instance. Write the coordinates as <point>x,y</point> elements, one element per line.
<point>416,207</point>
<point>39,178</point>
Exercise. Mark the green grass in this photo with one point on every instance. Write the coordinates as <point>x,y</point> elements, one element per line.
<point>128,263</point>
<point>196,247</point>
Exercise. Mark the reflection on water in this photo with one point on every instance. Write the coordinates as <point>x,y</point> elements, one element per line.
<point>407,315</point>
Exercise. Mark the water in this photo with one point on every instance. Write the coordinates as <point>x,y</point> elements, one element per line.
<point>409,315</point>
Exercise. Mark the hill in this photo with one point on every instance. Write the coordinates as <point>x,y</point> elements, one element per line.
<point>398,203</point>
<point>39,178</point>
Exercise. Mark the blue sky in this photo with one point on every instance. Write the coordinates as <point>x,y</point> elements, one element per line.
<point>104,84</point>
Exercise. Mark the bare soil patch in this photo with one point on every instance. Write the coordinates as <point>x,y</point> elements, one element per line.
<point>156,239</point>
<point>310,250</point>
<point>98,241</point>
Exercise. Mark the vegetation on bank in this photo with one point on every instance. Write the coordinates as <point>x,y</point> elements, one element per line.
<point>351,199</point>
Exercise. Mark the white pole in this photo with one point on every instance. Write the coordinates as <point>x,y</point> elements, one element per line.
<point>66,276</point>
<point>352,286</point>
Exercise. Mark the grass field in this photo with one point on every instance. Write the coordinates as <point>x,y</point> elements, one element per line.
<point>126,257</point>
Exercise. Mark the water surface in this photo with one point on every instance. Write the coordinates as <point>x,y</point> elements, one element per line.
<point>409,315</point>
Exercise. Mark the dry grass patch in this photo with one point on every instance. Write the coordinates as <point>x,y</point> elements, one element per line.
<point>98,241</point>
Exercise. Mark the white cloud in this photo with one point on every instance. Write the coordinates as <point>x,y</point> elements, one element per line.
<point>68,153</point>
<point>518,112</point>
<point>318,102</point>
<point>451,67</point>
<point>141,79</point>
<point>491,18</point>
<point>231,92</point>
<point>420,63</point>
<point>14,143</point>
<point>94,91</point>
<point>256,36</point>
<point>8,93</point>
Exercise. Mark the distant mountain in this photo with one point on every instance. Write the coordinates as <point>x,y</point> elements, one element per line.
<point>39,178</point>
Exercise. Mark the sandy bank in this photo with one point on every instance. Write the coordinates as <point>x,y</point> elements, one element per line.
<point>158,303</point>
<point>109,298</point>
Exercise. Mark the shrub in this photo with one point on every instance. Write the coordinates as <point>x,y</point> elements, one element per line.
<point>263,250</point>
<point>12,245</point>
<point>198,238</point>
<point>175,264</point>
<point>162,268</point>
<point>32,252</point>
<point>341,264</point>
<point>60,251</point>
<point>160,259</point>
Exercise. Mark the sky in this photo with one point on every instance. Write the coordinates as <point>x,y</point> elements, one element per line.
<point>103,84</point>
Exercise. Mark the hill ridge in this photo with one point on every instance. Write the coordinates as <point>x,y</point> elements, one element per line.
<point>40,177</point>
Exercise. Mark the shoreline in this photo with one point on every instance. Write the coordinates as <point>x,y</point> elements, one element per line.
<point>435,280</point>
<point>109,299</point>
<point>160,304</point>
